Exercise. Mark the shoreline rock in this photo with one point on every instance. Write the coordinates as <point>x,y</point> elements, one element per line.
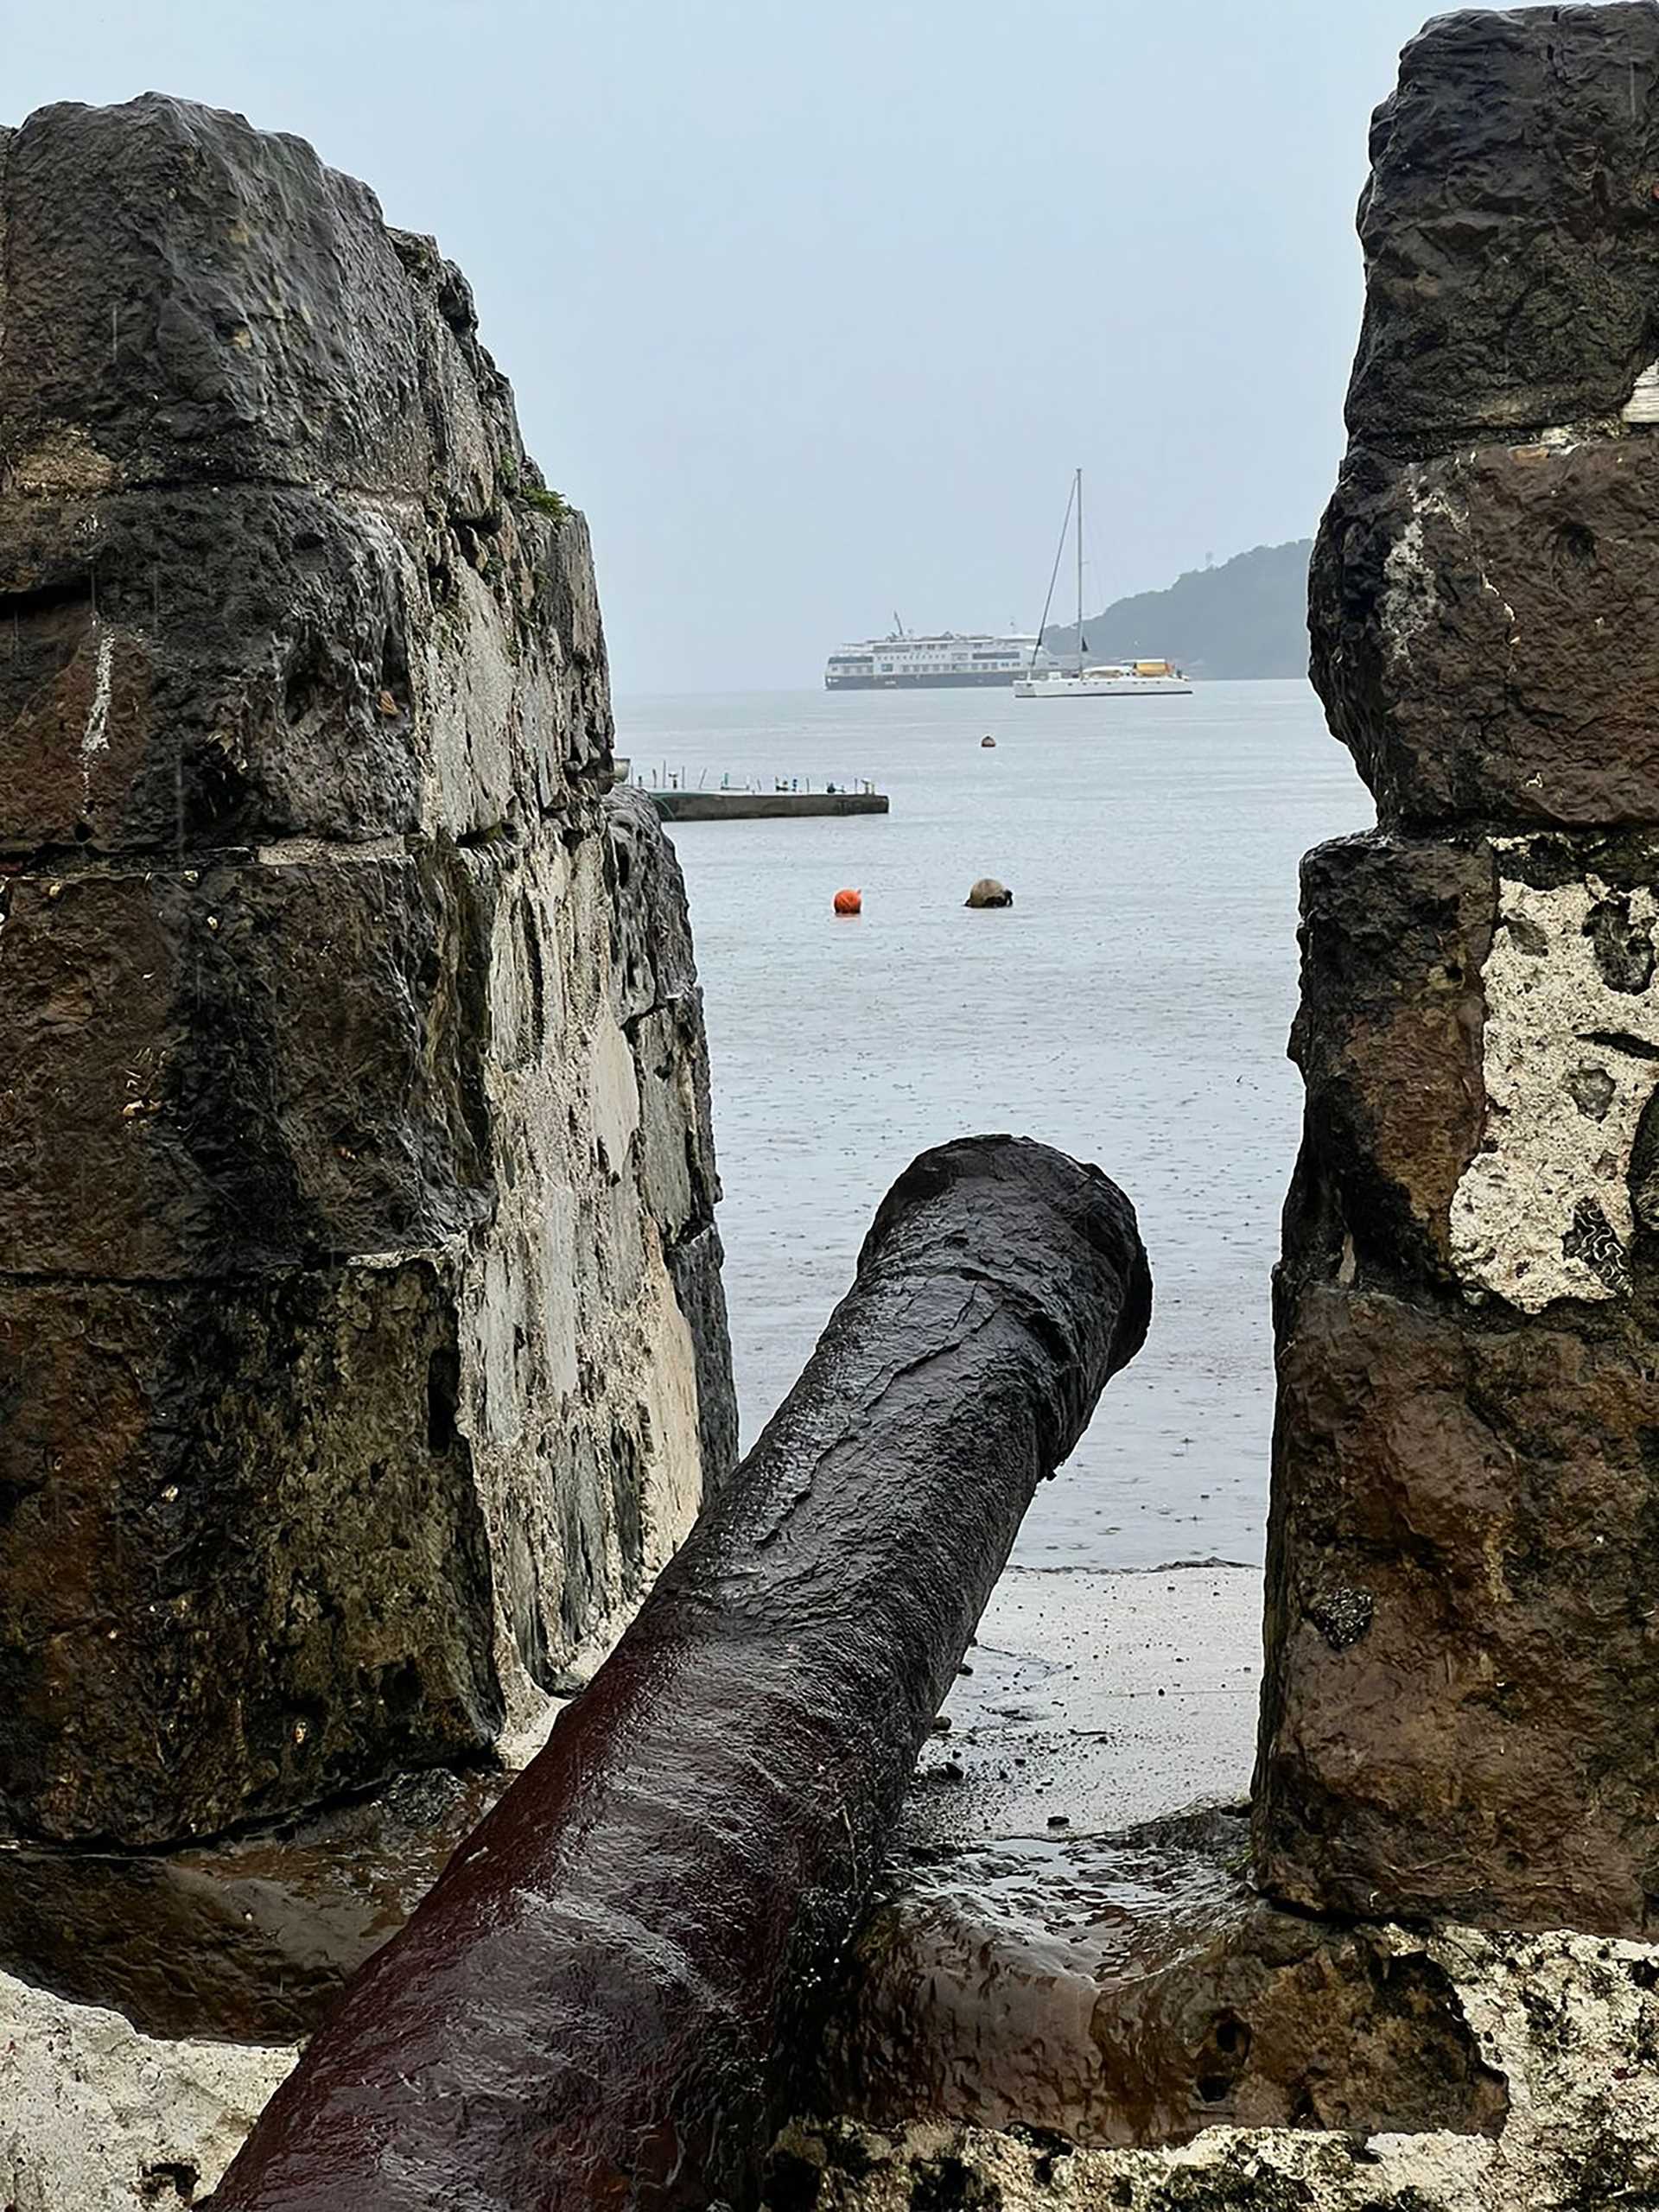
<point>987,891</point>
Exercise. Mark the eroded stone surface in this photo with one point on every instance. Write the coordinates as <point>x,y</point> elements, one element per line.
<point>1479,1037</point>
<point>161,327</point>
<point>1539,126</point>
<point>95,2117</point>
<point>1570,1059</point>
<point>1484,629</point>
<point>1482,588</point>
<point>363,1339</point>
<point>267,1064</point>
<point>1133,1990</point>
<point>245,1560</point>
<point>246,1941</point>
<point>1460,1536</point>
<point>1566,2023</point>
<point>1460,1618</point>
<point>1389,1039</point>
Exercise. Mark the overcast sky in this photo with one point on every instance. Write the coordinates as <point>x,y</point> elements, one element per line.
<point>814,306</point>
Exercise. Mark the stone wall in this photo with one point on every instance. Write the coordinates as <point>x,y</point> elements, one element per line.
<point>1464,1551</point>
<point>362,1345</point>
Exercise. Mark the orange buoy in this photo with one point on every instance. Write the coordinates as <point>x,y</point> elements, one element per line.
<point>850,902</point>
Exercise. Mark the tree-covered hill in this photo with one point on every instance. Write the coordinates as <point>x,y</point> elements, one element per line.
<point>1248,617</point>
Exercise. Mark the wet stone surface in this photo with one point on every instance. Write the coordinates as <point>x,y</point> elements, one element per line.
<point>1133,1990</point>
<point>248,1941</point>
<point>1563,2029</point>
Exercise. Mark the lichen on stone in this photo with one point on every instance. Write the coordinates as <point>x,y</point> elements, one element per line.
<point>1570,1060</point>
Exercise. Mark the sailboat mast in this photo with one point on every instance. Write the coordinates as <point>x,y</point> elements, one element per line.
<point>1082,648</point>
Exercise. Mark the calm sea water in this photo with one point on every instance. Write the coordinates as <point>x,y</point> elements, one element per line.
<point>1131,1007</point>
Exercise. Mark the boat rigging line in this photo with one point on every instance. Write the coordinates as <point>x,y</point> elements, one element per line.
<point>1054,574</point>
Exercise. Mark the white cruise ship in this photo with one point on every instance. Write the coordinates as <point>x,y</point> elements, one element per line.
<point>905,663</point>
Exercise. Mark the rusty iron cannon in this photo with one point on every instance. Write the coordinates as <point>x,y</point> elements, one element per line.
<point>597,2004</point>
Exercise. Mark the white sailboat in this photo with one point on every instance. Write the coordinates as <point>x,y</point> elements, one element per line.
<point>1133,679</point>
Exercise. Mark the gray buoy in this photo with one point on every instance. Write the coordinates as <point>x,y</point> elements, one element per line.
<point>987,891</point>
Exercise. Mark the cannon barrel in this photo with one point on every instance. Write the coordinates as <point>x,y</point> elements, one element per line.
<point>595,2006</point>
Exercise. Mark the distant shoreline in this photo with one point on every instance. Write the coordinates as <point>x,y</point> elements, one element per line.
<point>817,690</point>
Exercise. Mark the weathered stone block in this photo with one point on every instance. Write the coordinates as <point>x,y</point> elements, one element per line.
<point>264,1065</point>
<point>200,667</point>
<point>1479,1034</point>
<point>1461,1529</point>
<point>186,298</point>
<point>1395,937</point>
<point>1460,1618</point>
<point>243,1555</point>
<point>1510,225</point>
<point>203,666</point>
<point>1460,1539</point>
<point>1485,630</point>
